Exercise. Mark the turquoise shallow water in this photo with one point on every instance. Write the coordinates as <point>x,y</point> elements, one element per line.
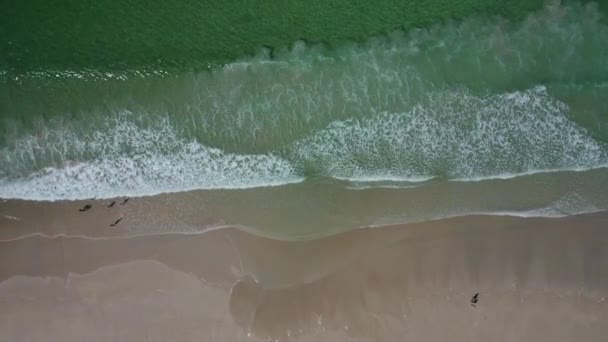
<point>360,128</point>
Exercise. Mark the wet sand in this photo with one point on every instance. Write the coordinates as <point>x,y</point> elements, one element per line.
<point>537,279</point>
<point>285,212</point>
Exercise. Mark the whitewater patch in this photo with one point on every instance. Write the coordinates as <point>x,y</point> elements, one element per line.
<point>454,135</point>
<point>132,161</point>
<point>195,169</point>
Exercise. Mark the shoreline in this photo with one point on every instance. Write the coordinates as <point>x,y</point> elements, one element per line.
<point>284,212</point>
<point>364,183</point>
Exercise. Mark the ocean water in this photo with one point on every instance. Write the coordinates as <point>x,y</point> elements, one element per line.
<point>484,106</point>
<point>95,37</point>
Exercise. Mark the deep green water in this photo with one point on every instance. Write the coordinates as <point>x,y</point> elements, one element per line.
<point>138,35</point>
<point>106,100</point>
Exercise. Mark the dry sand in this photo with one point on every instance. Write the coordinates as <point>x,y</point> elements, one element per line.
<point>538,280</point>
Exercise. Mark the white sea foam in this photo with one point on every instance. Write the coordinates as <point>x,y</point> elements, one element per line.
<point>381,178</point>
<point>135,161</point>
<point>455,135</point>
<point>505,176</point>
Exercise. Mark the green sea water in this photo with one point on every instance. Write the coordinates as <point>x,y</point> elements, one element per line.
<point>348,110</point>
<point>182,35</point>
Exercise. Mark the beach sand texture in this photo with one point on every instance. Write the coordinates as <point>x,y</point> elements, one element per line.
<point>538,279</point>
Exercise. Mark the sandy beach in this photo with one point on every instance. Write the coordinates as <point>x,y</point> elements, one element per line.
<point>538,279</point>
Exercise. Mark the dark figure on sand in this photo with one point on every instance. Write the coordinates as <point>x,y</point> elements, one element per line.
<point>125,201</point>
<point>111,204</point>
<point>115,223</point>
<point>475,299</point>
<point>86,207</point>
